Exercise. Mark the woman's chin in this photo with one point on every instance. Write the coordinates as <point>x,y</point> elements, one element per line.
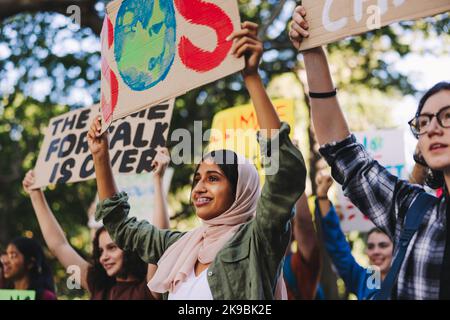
<point>206,213</point>
<point>440,165</point>
<point>438,162</point>
<point>112,273</point>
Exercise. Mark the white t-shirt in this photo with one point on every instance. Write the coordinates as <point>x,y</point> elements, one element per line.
<point>193,288</point>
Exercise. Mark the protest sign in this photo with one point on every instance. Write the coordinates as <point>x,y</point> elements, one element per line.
<point>159,49</point>
<point>64,156</point>
<point>141,192</point>
<point>236,128</point>
<point>333,20</point>
<point>140,189</point>
<point>388,148</point>
<point>17,295</point>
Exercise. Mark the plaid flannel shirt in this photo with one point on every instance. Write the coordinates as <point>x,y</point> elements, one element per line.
<point>385,199</point>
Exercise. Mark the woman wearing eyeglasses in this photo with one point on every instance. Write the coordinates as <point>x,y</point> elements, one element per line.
<point>425,272</point>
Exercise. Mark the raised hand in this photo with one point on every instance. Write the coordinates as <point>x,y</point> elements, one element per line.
<point>246,43</point>
<point>299,27</point>
<point>98,143</point>
<point>323,182</point>
<point>28,181</point>
<point>160,163</point>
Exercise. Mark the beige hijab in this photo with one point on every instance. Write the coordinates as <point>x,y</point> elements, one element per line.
<point>204,242</point>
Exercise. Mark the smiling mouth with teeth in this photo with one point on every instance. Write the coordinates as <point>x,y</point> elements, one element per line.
<point>202,201</point>
<point>437,146</point>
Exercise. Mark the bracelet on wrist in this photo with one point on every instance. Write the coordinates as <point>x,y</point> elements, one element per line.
<point>323,95</point>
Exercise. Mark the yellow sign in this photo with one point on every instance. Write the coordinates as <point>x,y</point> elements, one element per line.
<point>235,129</point>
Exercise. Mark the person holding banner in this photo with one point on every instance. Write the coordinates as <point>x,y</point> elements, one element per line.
<point>383,197</point>
<point>238,250</point>
<point>113,274</point>
<point>363,282</point>
<point>26,268</point>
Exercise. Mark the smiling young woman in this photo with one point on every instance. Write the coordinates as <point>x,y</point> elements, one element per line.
<point>383,197</point>
<point>26,268</point>
<point>358,279</point>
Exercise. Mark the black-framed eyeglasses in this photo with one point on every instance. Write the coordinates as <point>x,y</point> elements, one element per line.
<point>420,123</point>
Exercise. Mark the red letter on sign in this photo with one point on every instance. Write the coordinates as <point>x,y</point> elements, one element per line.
<point>207,14</point>
<point>108,101</point>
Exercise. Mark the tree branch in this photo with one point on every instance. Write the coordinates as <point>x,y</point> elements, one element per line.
<point>276,12</point>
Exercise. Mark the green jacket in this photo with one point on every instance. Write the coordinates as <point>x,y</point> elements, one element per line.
<point>249,265</point>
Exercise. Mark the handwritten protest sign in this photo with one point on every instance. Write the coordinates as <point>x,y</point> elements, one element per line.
<point>235,129</point>
<point>64,156</point>
<point>159,49</point>
<point>17,295</point>
<point>332,20</point>
<point>388,148</point>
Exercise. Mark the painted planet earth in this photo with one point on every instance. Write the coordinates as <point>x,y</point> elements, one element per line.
<point>144,41</point>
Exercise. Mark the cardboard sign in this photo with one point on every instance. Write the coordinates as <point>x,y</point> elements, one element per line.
<point>159,49</point>
<point>332,20</point>
<point>141,195</point>
<point>236,128</point>
<point>388,148</point>
<point>17,295</point>
<point>65,157</point>
<point>141,192</point>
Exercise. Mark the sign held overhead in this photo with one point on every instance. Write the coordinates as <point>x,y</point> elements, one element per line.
<point>333,20</point>
<point>65,157</point>
<point>159,49</point>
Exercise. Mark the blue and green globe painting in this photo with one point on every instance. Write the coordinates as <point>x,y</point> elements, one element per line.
<point>138,23</point>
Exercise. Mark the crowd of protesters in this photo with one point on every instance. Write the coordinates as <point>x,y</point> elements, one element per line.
<point>263,242</point>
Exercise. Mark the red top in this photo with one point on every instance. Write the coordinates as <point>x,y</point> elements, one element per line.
<point>48,295</point>
<point>129,290</point>
<point>306,275</point>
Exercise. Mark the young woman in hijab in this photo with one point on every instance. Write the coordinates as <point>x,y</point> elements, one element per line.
<point>237,251</point>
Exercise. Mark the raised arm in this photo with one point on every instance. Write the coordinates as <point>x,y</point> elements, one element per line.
<point>52,231</point>
<point>160,215</point>
<point>145,239</point>
<point>99,147</point>
<point>286,182</point>
<point>305,233</point>
<point>308,248</point>
<point>246,43</point>
<point>354,276</point>
<point>328,120</point>
<point>383,197</point>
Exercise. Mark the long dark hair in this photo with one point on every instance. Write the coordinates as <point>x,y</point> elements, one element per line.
<point>227,161</point>
<point>40,274</point>
<point>97,276</point>
<point>434,178</point>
